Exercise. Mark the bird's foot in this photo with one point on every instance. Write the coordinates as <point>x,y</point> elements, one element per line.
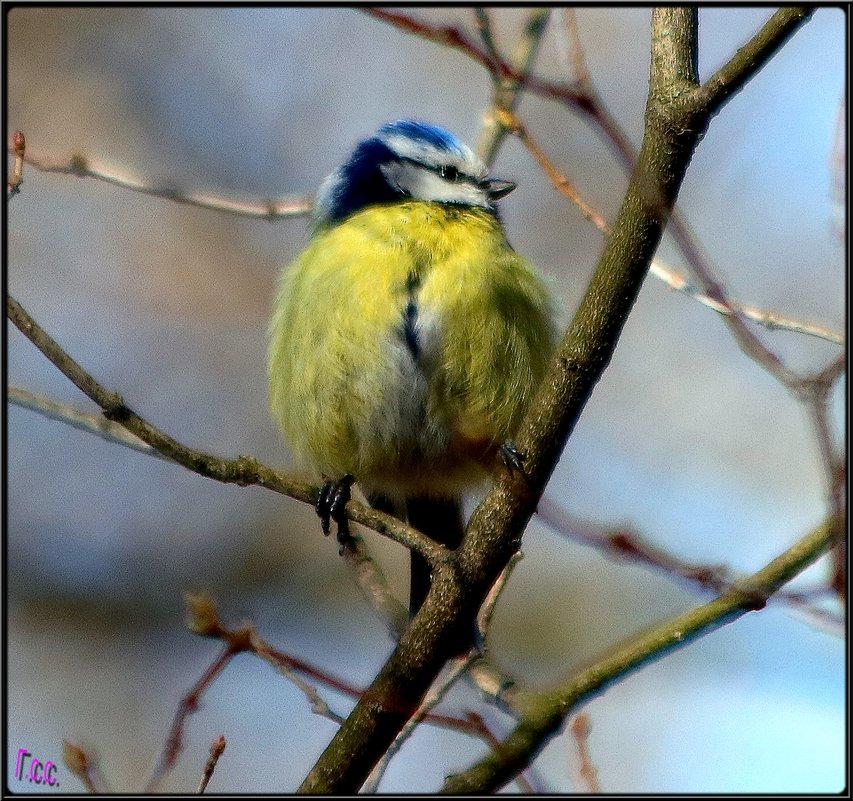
<point>331,502</point>
<point>512,458</point>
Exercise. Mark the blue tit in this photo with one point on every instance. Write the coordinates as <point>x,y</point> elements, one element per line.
<point>408,337</point>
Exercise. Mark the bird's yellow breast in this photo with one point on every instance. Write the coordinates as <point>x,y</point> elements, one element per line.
<point>405,345</point>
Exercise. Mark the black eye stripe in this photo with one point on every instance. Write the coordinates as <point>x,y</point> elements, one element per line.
<point>448,172</point>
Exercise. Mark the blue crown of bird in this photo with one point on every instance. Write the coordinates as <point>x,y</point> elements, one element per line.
<point>408,338</point>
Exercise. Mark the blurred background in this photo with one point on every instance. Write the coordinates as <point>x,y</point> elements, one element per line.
<point>685,438</point>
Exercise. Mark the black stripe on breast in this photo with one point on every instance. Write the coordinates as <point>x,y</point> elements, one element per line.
<point>410,334</point>
<point>410,315</point>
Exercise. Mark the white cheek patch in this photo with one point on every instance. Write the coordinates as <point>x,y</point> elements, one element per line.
<point>425,184</point>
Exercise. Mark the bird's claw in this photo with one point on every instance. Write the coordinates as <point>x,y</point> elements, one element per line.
<point>331,502</point>
<point>512,458</point>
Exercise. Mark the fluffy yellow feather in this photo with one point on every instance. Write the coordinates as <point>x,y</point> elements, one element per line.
<point>405,345</point>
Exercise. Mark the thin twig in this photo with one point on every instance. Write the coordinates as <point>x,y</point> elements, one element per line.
<point>838,171</point>
<point>585,778</point>
<point>624,543</point>
<point>188,704</point>
<point>487,610</point>
<point>374,588</point>
<point>484,25</point>
<point>833,460</point>
<point>507,92</point>
<point>771,320</point>
<point>288,667</point>
<point>81,167</point>
<point>717,302</point>
<point>16,178</point>
<point>287,664</point>
<point>458,668</point>
<point>561,183</point>
<point>205,621</point>
<point>84,766</point>
<point>216,749</point>
<point>571,47</point>
<point>748,342</point>
<point>92,423</point>
<point>453,37</point>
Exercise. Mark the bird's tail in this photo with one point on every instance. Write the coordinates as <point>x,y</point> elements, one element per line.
<point>439,518</point>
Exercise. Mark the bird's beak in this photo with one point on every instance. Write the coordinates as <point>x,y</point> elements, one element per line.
<point>496,188</point>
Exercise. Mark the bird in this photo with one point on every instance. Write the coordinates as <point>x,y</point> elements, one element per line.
<point>408,338</point>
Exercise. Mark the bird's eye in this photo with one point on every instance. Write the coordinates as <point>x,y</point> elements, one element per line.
<point>448,172</point>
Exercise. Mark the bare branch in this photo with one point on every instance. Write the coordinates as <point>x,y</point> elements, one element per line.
<point>204,620</point>
<point>217,747</point>
<point>92,423</point>
<point>187,705</point>
<point>545,712</point>
<point>570,46</point>
<point>484,616</point>
<point>484,25</point>
<point>373,587</point>
<point>85,767</point>
<point>626,543</point>
<point>750,58</point>
<point>453,37</point>
<point>458,668</point>
<point>838,171</point>
<point>561,183</point>
<point>507,93</point>
<point>80,167</point>
<point>771,320</point>
<point>586,776</point>
<point>244,471</point>
<point>16,177</point>
<point>719,302</point>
